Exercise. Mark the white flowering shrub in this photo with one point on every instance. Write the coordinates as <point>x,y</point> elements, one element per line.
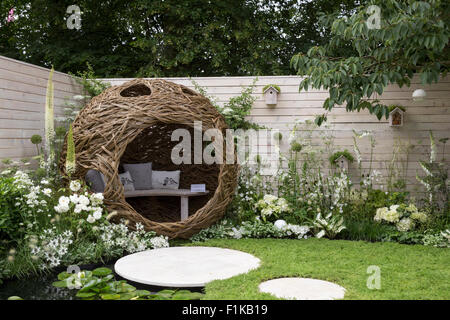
<point>54,226</point>
<point>120,239</point>
<point>272,207</point>
<point>50,247</point>
<point>251,229</point>
<point>251,188</point>
<point>404,217</point>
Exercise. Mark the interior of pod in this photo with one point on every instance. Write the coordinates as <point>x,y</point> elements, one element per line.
<point>154,145</point>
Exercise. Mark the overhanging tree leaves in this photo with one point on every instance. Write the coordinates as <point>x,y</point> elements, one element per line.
<point>412,37</point>
<point>165,37</point>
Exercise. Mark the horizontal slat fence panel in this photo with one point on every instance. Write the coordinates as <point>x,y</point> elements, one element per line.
<point>22,104</point>
<point>422,116</point>
<point>22,100</point>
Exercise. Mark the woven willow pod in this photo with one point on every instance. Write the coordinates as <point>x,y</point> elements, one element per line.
<point>133,123</point>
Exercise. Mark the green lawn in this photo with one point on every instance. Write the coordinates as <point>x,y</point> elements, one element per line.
<point>407,272</point>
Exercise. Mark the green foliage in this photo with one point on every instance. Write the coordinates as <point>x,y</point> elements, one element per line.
<point>409,272</point>
<point>393,107</point>
<point>166,38</point>
<point>11,223</point>
<point>364,230</point>
<point>296,146</point>
<point>346,154</point>
<point>236,109</point>
<point>435,182</point>
<point>278,136</point>
<point>99,284</point>
<point>267,86</point>
<point>412,38</point>
<point>255,229</point>
<point>36,139</point>
<point>88,79</point>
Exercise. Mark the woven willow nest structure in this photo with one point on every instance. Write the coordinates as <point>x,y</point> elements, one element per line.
<point>133,123</point>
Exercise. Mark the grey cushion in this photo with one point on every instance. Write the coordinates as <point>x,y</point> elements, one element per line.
<point>166,179</point>
<point>94,179</point>
<point>141,173</point>
<point>127,181</point>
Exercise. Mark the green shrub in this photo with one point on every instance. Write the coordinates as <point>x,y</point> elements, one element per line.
<point>364,230</point>
<point>11,224</point>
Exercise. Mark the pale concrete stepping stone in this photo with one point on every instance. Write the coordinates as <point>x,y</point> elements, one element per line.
<point>302,289</point>
<point>184,266</point>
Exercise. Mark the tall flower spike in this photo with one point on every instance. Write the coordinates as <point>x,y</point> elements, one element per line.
<point>71,157</point>
<point>49,121</point>
<point>433,148</point>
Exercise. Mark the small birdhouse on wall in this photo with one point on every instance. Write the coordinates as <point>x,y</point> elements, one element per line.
<point>271,94</point>
<point>396,117</point>
<point>342,163</point>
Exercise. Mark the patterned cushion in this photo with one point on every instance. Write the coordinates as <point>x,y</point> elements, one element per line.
<point>166,179</point>
<point>126,180</point>
<point>141,173</point>
<point>95,181</point>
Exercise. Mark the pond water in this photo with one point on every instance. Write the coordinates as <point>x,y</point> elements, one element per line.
<point>40,287</point>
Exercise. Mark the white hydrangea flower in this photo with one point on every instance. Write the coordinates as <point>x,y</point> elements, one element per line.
<point>405,224</point>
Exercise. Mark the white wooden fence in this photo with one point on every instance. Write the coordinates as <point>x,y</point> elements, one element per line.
<point>22,99</point>
<point>22,104</point>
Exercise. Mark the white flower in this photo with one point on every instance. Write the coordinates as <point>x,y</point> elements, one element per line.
<point>97,214</point>
<point>47,191</point>
<point>227,111</point>
<point>90,219</point>
<point>159,242</point>
<point>97,198</point>
<point>83,200</point>
<point>62,208</point>
<point>63,200</point>
<point>44,182</point>
<point>405,224</point>
<point>81,207</point>
<point>237,233</point>
<point>74,198</point>
<point>75,185</point>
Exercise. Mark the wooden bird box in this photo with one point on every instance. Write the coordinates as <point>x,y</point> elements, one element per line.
<point>270,95</point>
<point>396,117</point>
<point>342,163</point>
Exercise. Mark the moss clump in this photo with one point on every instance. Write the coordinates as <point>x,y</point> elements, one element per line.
<point>391,108</point>
<point>271,85</point>
<point>338,154</point>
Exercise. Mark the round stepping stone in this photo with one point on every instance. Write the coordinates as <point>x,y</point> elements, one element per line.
<point>184,266</point>
<point>302,289</point>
